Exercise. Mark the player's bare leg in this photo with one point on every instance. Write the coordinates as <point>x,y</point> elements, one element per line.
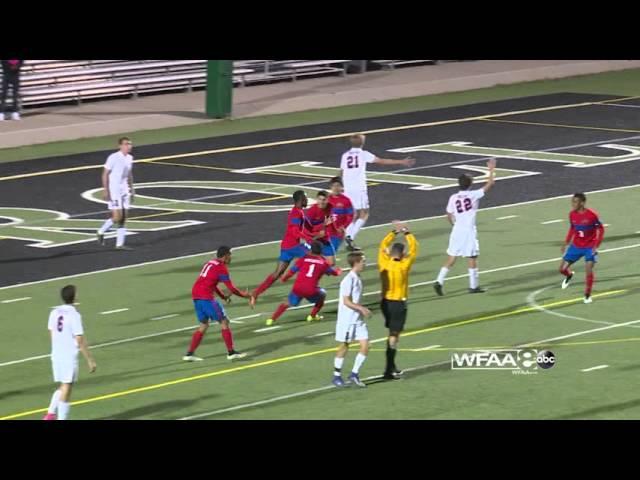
<point>341,353</point>
<point>361,218</point>
<point>589,279</point>
<point>227,336</point>
<point>316,310</point>
<point>267,282</point>
<point>391,371</point>
<point>566,271</point>
<point>195,342</point>
<point>437,286</point>
<point>121,231</point>
<point>354,377</point>
<point>113,219</point>
<point>278,313</point>
<point>473,276</point>
<point>62,404</point>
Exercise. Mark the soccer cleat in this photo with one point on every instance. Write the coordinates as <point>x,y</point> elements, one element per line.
<point>397,373</point>
<point>355,379</point>
<point>233,355</point>
<point>351,246</point>
<point>191,358</point>
<point>438,288</point>
<point>15,116</point>
<point>269,322</point>
<point>477,290</point>
<point>566,281</point>
<point>314,318</point>
<point>50,416</point>
<point>337,381</point>
<point>100,237</point>
<point>588,299</point>
<point>123,248</point>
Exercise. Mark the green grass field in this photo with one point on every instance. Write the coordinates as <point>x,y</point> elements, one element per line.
<point>141,376</point>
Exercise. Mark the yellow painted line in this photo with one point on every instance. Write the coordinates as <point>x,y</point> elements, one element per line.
<point>559,125</point>
<point>303,140</point>
<point>190,165</point>
<point>303,355</point>
<point>152,215</point>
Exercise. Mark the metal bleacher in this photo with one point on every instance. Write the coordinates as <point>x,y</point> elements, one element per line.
<point>61,81</point>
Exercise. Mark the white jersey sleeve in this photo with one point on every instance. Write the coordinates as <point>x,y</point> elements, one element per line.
<point>476,194</point>
<point>76,325</point>
<point>368,157</point>
<point>346,287</point>
<point>451,208</point>
<point>109,163</point>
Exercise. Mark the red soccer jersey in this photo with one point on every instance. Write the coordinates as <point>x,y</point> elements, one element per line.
<point>214,271</point>
<point>585,231</point>
<point>341,215</point>
<point>295,229</point>
<point>310,269</point>
<point>315,218</point>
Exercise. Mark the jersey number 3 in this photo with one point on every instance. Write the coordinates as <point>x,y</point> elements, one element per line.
<point>461,208</point>
<point>352,161</point>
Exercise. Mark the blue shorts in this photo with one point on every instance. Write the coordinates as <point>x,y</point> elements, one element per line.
<point>331,249</point>
<point>288,254</point>
<point>573,254</point>
<point>209,310</point>
<point>294,299</point>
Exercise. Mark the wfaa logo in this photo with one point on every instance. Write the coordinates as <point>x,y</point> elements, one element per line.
<point>517,361</point>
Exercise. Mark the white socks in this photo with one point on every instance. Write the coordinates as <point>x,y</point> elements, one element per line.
<point>121,233</point>
<point>360,358</point>
<point>63,410</point>
<point>354,228</point>
<point>105,226</point>
<point>53,406</point>
<point>473,278</point>
<point>442,275</point>
<point>337,365</point>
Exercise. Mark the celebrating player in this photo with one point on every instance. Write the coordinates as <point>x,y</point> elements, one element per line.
<point>463,241</point>
<point>353,166</point>
<point>67,337</point>
<point>310,269</point>
<point>318,217</point>
<point>341,218</point>
<point>584,238</point>
<point>351,325</point>
<point>208,308</point>
<point>290,247</point>
<point>117,184</point>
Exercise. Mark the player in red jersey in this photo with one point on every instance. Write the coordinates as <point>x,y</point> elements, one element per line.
<point>208,308</point>
<point>341,218</point>
<point>309,269</point>
<point>318,218</point>
<point>583,239</point>
<point>290,247</point>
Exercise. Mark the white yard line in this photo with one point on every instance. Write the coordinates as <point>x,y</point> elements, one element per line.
<point>507,217</point>
<point>162,317</point>
<point>320,334</point>
<point>597,367</point>
<point>109,312</point>
<point>13,300</point>
<point>548,222</point>
<point>267,329</point>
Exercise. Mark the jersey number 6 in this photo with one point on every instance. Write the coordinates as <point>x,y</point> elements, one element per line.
<point>60,323</point>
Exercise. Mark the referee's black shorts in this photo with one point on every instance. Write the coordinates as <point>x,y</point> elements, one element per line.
<point>395,314</point>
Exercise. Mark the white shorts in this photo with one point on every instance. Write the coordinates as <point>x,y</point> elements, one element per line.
<point>463,244</point>
<point>119,200</point>
<point>348,332</point>
<point>359,199</point>
<point>65,370</point>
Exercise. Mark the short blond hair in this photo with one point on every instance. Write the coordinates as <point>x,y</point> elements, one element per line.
<point>357,140</point>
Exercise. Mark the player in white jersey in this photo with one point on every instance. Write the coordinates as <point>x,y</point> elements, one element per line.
<point>463,241</point>
<point>353,167</point>
<point>351,325</point>
<point>67,337</point>
<point>117,183</point>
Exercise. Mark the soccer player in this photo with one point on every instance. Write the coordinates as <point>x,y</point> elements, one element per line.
<point>117,183</point>
<point>353,168</point>
<point>583,239</point>
<point>341,218</point>
<point>290,247</point>
<point>208,308</point>
<point>463,241</point>
<point>394,265</point>
<point>310,269</point>
<point>318,217</point>
<point>67,337</point>
<point>351,325</point>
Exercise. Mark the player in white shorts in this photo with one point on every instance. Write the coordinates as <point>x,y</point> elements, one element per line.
<point>351,325</point>
<point>463,241</point>
<point>67,337</point>
<point>117,183</point>
<point>353,167</point>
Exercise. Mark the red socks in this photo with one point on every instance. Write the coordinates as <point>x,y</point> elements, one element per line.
<point>195,341</point>
<point>317,307</point>
<point>227,336</point>
<point>589,283</point>
<point>279,311</point>
<point>266,283</point>
<point>566,272</point>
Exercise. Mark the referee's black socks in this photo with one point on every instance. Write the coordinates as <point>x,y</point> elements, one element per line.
<point>391,358</point>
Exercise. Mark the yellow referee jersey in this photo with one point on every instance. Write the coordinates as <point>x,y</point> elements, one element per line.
<point>395,273</point>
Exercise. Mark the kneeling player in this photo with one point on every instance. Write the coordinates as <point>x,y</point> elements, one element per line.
<point>584,238</point>
<point>310,269</point>
<point>351,325</point>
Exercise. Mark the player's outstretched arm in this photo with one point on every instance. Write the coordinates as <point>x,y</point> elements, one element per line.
<point>407,162</point>
<point>413,244</point>
<point>84,348</point>
<point>492,175</point>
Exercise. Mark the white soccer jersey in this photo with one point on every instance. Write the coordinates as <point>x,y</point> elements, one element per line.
<point>65,323</point>
<point>350,325</point>
<point>464,206</point>
<point>119,166</point>
<point>354,170</point>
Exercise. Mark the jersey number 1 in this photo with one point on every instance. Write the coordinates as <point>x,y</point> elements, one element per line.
<point>352,162</point>
<point>311,269</point>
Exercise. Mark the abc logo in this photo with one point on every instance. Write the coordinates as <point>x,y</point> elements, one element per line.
<point>546,359</point>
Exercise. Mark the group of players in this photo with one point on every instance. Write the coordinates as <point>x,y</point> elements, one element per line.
<point>313,237</point>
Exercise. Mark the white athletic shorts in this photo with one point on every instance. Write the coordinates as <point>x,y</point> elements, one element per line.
<point>359,199</point>
<point>65,370</point>
<point>349,332</point>
<point>463,244</point>
<point>119,200</point>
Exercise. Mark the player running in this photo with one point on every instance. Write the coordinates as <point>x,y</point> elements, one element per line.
<point>67,337</point>
<point>341,218</point>
<point>351,325</point>
<point>353,167</point>
<point>117,184</point>
<point>584,238</point>
<point>463,241</point>
<point>208,308</point>
<point>310,269</point>
<point>290,247</point>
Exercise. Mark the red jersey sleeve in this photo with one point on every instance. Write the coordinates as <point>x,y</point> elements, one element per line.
<point>224,277</point>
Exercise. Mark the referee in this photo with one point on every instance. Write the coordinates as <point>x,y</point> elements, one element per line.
<point>394,265</point>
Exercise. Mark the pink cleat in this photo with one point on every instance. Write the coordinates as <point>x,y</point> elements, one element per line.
<point>50,416</point>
